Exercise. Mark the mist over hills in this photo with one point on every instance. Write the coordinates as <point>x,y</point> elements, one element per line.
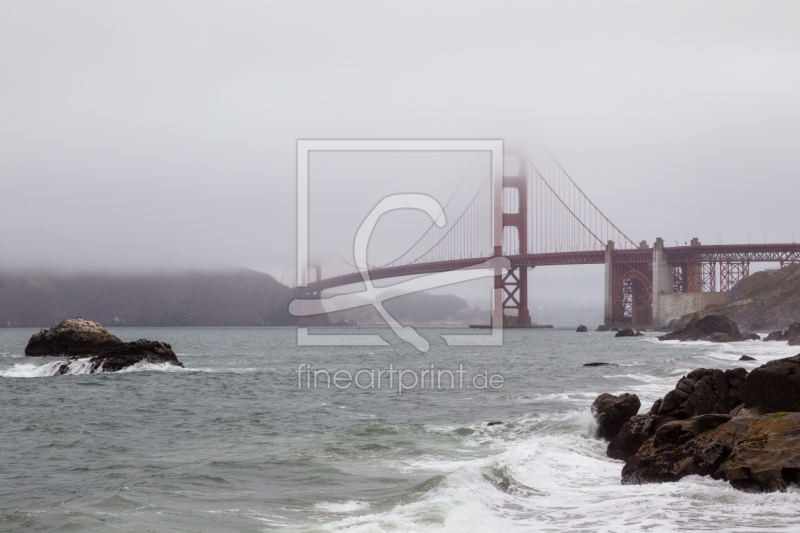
<point>238,297</point>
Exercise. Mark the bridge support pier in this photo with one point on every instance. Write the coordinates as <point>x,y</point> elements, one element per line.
<point>514,283</point>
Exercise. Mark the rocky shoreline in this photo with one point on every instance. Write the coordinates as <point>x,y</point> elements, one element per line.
<point>732,425</point>
<point>78,338</point>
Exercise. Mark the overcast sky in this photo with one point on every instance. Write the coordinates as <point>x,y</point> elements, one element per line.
<point>147,135</point>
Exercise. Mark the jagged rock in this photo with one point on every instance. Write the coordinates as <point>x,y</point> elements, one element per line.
<point>633,434</point>
<point>628,332</point>
<point>793,331</point>
<point>75,336</point>
<point>775,386</point>
<point>775,336</point>
<point>767,457</point>
<point>581,329</point>
<point>127,354</point>
<point>675,452</point>
<point>705,391</point>
<point>494,423</point>
<point>747,358</point>
<point>715,328</point>
<point>752,453</point>
<point>701,392</point>
<point>611,412</point>
<point>794,342</point>
<point>596,364</point>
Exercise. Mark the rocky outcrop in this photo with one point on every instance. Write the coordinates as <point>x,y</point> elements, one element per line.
<point>755,445</point>
<point>747,358</point>
<point>75,336</point>
<point>701,392</point>
<point>79,337</point>
<point>792,334</point>
<point>582,329</point>
<point>775,386</point>
<point>704,391</point>
<point>757,454</point>
<point>715,328</point>
<point>611,412</point>
<point>628,332</point>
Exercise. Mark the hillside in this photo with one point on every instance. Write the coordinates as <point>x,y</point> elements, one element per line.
<point>764,301</point>
<point>238,297</point>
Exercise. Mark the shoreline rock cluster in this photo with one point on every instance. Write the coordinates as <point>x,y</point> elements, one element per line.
<point>730,425</point>
<point>78,338</point>
<point>792,334</point>
<point>714,328</point>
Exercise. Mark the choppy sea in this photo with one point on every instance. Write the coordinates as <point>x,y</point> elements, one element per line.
<point>240,440</point>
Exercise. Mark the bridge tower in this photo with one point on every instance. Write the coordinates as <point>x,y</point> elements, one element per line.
<point>514,283</point>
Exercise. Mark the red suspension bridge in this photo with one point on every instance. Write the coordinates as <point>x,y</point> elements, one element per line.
<point>547,220</point>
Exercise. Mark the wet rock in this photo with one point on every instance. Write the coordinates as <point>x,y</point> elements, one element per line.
<point>596,364</point>
<point>72,337</point>
<point>767,457</point>
<point>747,358</point>
<point>794,342</point>
<point>705,391</point>
<point>628,332</point>
<point>125,355</point>
<point>684,448</point>
<point>494,423</point>
<point>633,434</point>
<point>611,412</point>
<point>581,329</point>
<point>775,386</point>
<point>775,336</point>
<point>715,328</point>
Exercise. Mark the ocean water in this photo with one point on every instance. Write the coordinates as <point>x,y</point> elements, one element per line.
<point>232,443</point>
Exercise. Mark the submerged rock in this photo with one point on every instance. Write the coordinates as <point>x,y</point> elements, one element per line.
<point>76,336</point>
<point>611,412</point>
<point>596,364</point>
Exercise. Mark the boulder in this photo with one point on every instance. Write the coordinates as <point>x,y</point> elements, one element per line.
<point>775,336</point>
<point>775,386</point>
<point>747,358</point>
<point>127,354</point>
<point>756,454</point>
<point>715,328</point>
<point>701,392</point>
<point>581,329</point>
<point>628,332</point>
<point>633,434</point>
<point>698,446</point>
<point>611,412</point>
<point>704,391</point>
<point>767,457</point>
<point>72,337</point>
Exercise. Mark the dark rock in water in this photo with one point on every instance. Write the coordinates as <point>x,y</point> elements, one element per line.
<point>747,358</point>
<point>767,457</point>
<point>611,412</point>
<point>715,328</point>
<point>750,337</point>
<point>775,336</point>
<point>603,327</point>
<point>705,391</point>
<point>75,336</point>
<point>495,423</point>
<point>628,332</point>
<point>581,329</point>
<point>79,337</point>
<point>596,364</point>
<point>794,342</point>
<point>130,353</point>
<point>793,331</point>
<point>701,392</point>
<point>775,386</point>
<point>633,434</point>
<point>676,452</point>
<point>756,454</point>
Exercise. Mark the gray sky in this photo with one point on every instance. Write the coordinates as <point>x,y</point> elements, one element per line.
<point>148,135</point>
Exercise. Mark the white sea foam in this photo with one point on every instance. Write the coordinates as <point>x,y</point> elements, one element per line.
<point>27,370</point>
<point>341,507</point>
<point>559,479</point>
